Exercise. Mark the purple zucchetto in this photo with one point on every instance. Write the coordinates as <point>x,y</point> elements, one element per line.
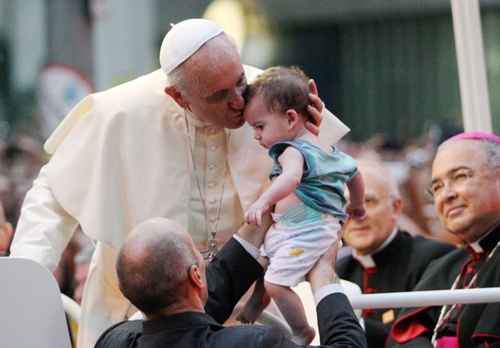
<point>478,135</point>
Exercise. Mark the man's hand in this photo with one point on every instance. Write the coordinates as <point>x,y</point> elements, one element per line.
<point>254,214</point>
<point>315,109</point>
<point>253,234</point>
<point>323,273</point>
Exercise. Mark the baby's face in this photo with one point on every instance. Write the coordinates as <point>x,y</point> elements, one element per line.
<point>269,127</point>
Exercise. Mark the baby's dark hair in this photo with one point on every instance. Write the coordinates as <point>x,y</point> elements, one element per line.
<point>281,89</point>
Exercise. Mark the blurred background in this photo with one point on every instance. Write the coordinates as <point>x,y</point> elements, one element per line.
<point>387,68</point>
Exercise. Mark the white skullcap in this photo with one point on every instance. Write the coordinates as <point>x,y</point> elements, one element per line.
<point>184,39</point>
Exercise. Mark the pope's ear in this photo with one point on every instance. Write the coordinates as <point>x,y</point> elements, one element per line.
<point>176,95</point>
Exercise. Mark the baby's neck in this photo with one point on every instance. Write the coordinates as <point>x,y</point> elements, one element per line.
<point>304,134</point>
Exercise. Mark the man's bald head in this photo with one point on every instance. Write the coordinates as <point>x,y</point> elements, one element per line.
<point>383,208</point>
<point>153,264</point>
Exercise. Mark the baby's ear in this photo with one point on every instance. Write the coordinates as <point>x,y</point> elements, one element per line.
<point>293,117</point>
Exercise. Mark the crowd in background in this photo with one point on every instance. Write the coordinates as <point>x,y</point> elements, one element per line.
<point>20,161</point>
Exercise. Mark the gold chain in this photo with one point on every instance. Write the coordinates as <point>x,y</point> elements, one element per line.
<point>210,253</point>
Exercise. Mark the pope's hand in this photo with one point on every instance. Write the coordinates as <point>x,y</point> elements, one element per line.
<point>315,108</point>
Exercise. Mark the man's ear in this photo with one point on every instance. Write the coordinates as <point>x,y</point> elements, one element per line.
<point>397,205</point>
<point>176,95</point>
<point>293,118</point>
<point>194,275</point>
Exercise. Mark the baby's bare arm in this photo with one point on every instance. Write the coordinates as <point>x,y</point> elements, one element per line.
<point>292,163</point>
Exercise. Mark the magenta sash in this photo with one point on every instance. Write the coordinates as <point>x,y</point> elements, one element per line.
<point>447,342</point>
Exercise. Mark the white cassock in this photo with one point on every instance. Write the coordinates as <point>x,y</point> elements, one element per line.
<point>120,157</point>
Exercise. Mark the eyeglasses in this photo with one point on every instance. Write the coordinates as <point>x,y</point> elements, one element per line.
<point>454,179</point>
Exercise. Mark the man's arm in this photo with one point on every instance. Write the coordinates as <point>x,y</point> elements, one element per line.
<point>229,276</point>
<point>44,228</point>
<point>376,331</point>
<point>338,325</point>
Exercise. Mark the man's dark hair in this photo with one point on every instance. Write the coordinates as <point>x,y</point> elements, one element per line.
<point>152,279</point>
<point>282,89</point>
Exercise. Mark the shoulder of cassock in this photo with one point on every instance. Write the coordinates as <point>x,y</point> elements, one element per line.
<point>120,157</point>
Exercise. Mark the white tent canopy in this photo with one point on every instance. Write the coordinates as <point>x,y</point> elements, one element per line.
<point>471,65</point>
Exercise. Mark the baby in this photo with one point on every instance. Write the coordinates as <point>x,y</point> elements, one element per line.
<point>306,196</point>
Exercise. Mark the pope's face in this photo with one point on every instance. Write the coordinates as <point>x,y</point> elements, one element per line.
<point>382,212</point>
<point>217,95</point>
<point>466,191</point>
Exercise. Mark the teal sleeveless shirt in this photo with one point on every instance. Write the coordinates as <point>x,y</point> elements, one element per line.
<point>324,178</point>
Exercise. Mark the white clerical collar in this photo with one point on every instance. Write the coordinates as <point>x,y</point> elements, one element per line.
<point>195,121</point>
<point>476,246</point>
<point>200,125</point>
<point>367,260</point>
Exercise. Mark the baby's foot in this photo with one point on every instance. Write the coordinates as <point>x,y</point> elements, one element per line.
<point>304,337</point>
<point>254,307</point>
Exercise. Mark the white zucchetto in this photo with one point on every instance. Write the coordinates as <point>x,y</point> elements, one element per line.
<point>184,39</point>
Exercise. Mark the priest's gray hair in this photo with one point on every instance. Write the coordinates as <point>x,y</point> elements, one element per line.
<point>490,149</point>
<point>176,77</point>
<point>379,170</point>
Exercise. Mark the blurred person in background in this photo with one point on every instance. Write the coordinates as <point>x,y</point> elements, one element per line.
<point>465,187</point>
<point>171,143</point>
<point>384,257</point>
<point>20,161</point>
<point>6,233</point>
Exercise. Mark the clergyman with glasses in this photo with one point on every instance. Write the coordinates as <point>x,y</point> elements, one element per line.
<point>466,191</point>
<point>384,257</point>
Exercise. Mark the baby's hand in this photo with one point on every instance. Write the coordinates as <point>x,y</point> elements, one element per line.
<point>254,214</point>
<point>356,212</point>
